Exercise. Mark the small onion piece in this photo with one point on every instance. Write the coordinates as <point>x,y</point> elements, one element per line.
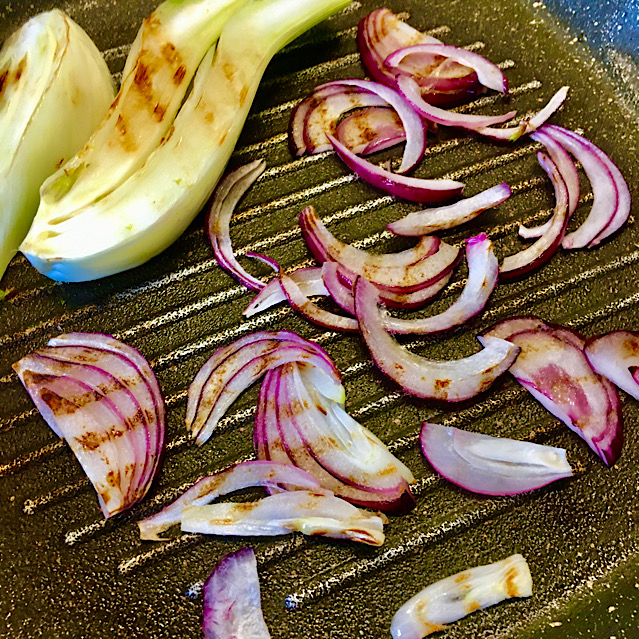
<point>408,188</point>
<point>449,216</point>
<point>456,596</point>
<point>616,357</point>
<point>232,602</point>
<point>102,397</point>
<point>311,513</point>
<point>225,199</point>
<point>371,129</point>
<point>267,474</point>
<point>491,465</point>
<point>338,289</point>
<point>451,381</point>
<point>483,273</point>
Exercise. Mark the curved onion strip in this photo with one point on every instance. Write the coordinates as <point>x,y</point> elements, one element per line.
<point>456,596</point>
<point>568,171</point>
<point>299,510</point>
<point>232,603</point>
<point>529,125</point>
<point>446,217</point>
<point>546,246</point>
<point>370,130</point>
<point>445,380</point>
<point>489,74</point>
<point>267,474</point>
<point>412,123</point>
<point>408,188</point>
<point>615,356</point>
<point>338,289</point>
<point>491,465</point>
<point>309,281</point>
<point>611,196</point>
<point>312,312</point>
<point>225,199</point>
<point>483,273</point>
<point>513,325</point>
<point>410,90</point>
<point>556,372</point>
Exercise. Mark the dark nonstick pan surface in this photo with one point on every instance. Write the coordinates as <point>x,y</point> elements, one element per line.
<point>65,572</point>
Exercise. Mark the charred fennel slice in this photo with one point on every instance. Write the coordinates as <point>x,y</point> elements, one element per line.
<point>52,78</point>
<point>148,211</point>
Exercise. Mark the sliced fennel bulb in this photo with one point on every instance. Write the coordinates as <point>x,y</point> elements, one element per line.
<point>148,211</point>
<point>54,89</point>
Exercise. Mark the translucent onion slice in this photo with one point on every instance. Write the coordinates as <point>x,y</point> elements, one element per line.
<point>408,188</point>
<point>483,273</point>
<point>461,594</point>
<point>225,199</point>
<point>546,246</point>
<point>369,130</point>
<point>268,474</point>
<point>451,381</point>
<point>447,217</point>
<point>491,465</point>
<point>307,512</point>
<point>616,357</point>
<point>554,369</point>
<point>232,603</point>
<point>101,396</point>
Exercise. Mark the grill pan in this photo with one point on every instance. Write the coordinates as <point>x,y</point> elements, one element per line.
<point>65,572</point>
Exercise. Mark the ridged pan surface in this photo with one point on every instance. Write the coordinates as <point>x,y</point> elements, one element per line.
<point>66,572</point>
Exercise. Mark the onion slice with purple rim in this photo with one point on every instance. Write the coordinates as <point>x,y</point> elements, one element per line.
<point>451,381</point>
<point>449,216</point>
<point>268,474</point>
<point>369,130</point>
<point>232,602</point>
<point>616,357</point>
<point>310,513</point>
<point>483,273</point>
<point>225,199</point>
<point>456,596</point>
<point>491,465</point>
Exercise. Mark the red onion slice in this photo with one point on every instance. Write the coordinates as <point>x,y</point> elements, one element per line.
<point>308,279</point>
<point>491,465</point>
<point>556,372</point>
<point>451,381</point>
<point>546,246</point>
<point>225,199</point>
<point>446,217</point>
<point>456,596</point>
<point>408,188</point>
<point>411,122</point>
<point>267,474</point>
<point>232,603</point>
<point>611,196</point>
<point>489,74</point>
<point>370,130</point>
<point>483,273</point>
<point>283,513</point>
<point>338,289</point>
<point>616,356</point>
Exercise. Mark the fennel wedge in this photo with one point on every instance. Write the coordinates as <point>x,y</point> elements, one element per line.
<point>52,79</point>
<point>150,209</point>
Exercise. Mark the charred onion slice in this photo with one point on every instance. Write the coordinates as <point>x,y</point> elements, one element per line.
<point>458,595</point>
<point>556,372</point>
<point>101,396</point>
<point>483,273</point>
<point>446,217</point>
<point>283,513</point>
<point>616,357</point>
<point>369,130</point>
<point>491,465</point>
<point>408,188</point>
<point>546,246</point>
<point>268,474</point>
<point>451,381</point>
<point>232,603</point>
<point>225,199</point>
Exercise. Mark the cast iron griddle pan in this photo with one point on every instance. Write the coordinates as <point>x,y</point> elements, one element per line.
<point>65,572</point>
